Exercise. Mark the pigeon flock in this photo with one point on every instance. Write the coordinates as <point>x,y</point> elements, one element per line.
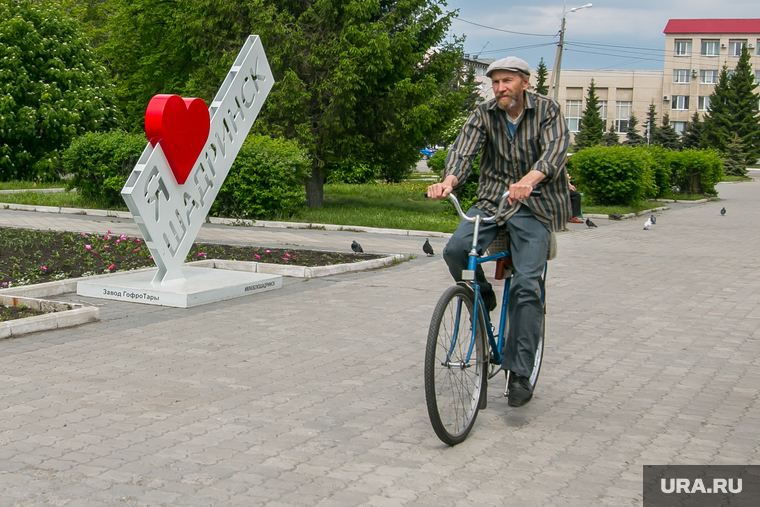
<point>427,248</point>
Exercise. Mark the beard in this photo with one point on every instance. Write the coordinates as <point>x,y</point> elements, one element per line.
<point>507,101</point>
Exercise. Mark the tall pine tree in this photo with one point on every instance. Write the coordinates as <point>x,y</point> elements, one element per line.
<point>592,125</point>
<point>651,126</point>
<point>610,138</point>
<point>541,76</point>
<point>666,136</point>
<point>692,133</point>
<point>743,108</point>
<point>733,159</point>
<point>715,133</point>
<point>632,136</point>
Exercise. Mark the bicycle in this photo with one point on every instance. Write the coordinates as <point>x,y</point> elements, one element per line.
<point>457,369</point>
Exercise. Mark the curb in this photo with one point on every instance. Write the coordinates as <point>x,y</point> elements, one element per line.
<point>65,315</point>
<point>301,271</point>
<point>234,221</point>
<point>629,215</point>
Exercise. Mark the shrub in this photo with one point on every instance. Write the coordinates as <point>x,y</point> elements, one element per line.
<point>266,178</point>
<point>615,174</point>
<point>437,163</point>
<point>696,171</point>
<point>352,173</point>
<point>100,163</point>
<point>51,90</point>
<point>663,176</point>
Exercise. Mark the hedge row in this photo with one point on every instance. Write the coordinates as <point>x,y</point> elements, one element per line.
<point>626,175</point>
<point>266,177</point>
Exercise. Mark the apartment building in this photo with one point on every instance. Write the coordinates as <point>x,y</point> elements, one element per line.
<point>695,52</point>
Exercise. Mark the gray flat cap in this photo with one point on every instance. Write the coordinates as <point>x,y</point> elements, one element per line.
<point>509,63</point>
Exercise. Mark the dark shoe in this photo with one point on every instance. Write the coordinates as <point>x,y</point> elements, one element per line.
<point>520,390</point>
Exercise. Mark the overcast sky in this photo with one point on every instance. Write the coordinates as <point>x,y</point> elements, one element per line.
<point>613,34</point>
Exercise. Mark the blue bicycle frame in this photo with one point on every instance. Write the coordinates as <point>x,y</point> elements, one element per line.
<point>496,343</point>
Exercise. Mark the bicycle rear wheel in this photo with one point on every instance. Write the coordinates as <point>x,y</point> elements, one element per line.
<point>454,385</point>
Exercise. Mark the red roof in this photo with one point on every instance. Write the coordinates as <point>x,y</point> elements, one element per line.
<point>713,26</point>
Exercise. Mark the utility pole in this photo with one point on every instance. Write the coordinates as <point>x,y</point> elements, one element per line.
<point>558,59</point>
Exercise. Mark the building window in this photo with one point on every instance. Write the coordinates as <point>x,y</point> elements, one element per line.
<point>681,76</point>
<point>678,126</point>
<point>603,113</point>
<point>703,103</point>
<point>757,77</point>
<point>680,102</point>
<point>735,47</point>
<point>573,114</point>
<point>708,77</point>
<point>683,48</point>
<point>710,47</point>
<point>622,115</point>
<point>757,47</point>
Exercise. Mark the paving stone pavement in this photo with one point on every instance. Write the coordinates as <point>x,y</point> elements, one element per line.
<point>313,394</point>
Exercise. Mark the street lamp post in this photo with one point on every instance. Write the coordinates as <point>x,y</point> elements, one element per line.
<point>560,46</point>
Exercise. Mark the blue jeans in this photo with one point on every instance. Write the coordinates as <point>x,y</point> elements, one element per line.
<point>529,243</point>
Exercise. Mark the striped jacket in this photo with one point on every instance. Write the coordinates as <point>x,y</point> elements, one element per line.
<point>540,142</point>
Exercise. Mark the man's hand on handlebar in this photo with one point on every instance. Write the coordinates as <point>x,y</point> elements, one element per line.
<point>519,191</point>
<point>443,189</point>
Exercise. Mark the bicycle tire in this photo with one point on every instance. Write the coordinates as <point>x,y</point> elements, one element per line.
<point>453,392</point>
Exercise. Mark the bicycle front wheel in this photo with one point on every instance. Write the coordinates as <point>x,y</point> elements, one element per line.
<point>455,371</point>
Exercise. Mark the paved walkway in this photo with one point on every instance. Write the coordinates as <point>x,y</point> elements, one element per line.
<point>312,394</point>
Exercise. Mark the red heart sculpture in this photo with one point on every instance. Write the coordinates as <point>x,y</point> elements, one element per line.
<point>182,127</point>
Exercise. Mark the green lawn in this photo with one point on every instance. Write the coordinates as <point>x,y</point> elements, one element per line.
<point>19,185</point>
<point>395,206</point>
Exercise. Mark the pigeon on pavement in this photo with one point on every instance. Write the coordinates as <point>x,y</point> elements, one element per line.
<point>648,224</point>
<point>590,223</point>
<point>722,211</point>
<point>356,247</point>
<point>615,216</point>
<point>653,219</point>
<point>427,248</point>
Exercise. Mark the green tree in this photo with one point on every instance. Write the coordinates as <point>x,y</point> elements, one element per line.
<point>472,98</point>
<point>632,136</point>
<point>666,136</point>
<point>371,81</point>
<point>51,88</point>
<point>592,126</point>
<point>742,108</point>
<point>733,159</point>
<point>717,127</point>
<point>692,133</point>
<point>651,126</point>
<point>542,74</point>
<point>610,138</point>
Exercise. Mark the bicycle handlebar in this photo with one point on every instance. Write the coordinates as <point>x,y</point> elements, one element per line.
<point>463,216</point>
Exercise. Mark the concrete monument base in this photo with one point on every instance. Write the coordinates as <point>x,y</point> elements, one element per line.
<point>199,287</point>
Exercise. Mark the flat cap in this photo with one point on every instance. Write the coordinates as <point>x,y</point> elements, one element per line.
<point>511,63</point>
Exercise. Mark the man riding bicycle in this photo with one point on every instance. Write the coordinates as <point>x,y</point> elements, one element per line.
<point>523,140</point>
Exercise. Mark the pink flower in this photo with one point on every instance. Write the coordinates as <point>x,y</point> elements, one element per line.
<point>5,284</point>
<point>88,247</point>
<point>201,254</point>
<point>136,250</point>
<point>284,258</point>
<point>257,256</point>
<point>150,257</point>
<point>117,240</point>
<point>106,237</point>
<point>109,232</point>
<point>44,268</point>
<point>106,246</point>
<point>110,267</point>
<point>287,255</point>
<point>137,240</point>
<point>268,251</point>
<point>83,234</point>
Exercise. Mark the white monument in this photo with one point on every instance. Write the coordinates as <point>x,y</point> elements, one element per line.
<point>178,176</point>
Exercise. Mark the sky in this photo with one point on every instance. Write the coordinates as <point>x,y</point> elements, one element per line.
<point>613,34</point>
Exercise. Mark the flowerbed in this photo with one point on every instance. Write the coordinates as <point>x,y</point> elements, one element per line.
<point>30,256</point>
